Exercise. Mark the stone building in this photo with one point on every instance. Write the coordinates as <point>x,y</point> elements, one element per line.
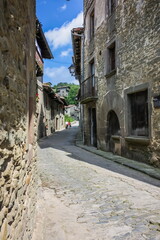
<point>17,122</point>
<point>63,91</point>
<point>54,107</point>
<point>120,88</point>
<point>73,111</point>
<point>49,105</point>
<point>42,52</point>
<point>77,68</point>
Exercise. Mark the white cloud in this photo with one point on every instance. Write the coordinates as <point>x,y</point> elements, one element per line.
<point>59,74</point>
<point>66,53</point>
<point>64,7</point>
<point>59,37</point>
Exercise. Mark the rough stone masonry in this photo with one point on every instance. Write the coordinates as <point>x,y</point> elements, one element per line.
<point>128,38</point>
<point>17,106</point>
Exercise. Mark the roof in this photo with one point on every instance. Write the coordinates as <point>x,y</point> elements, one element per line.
<point>70,106</point>
<point>42,42</point>
<point>63,87</point>
<point>64,101</point>
<point>49,90</point>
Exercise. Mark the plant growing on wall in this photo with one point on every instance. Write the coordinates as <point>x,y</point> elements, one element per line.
<point>37,97</point>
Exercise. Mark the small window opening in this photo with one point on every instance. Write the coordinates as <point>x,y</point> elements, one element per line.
<point>92,73</point>
<point>92,25</point>
<point>112,59</point>
<point>111,6</point>
<point>139,113</point>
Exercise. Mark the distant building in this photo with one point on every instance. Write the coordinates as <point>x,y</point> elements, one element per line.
<point>73,111</point>
<point>63,91</point>
<point>54,107</point>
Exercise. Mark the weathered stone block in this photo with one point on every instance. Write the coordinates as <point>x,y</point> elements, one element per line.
<point>3,233</point>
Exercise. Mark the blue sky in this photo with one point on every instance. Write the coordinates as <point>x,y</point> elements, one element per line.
<point>58,17</point>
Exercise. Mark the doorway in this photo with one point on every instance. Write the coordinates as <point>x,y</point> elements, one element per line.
<point>57,124</point>
<point>93,127</point>
<point>113,129</point>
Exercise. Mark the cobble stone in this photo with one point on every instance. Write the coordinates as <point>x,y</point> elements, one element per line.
<point>101,199</point>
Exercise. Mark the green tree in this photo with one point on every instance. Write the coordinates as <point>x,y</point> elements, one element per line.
<point>68,118</point>
<point>71,99</point>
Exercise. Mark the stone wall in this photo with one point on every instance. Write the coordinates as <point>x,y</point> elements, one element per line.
<point>135,28</point>
<point>87,4</point>
<point>17,107</point>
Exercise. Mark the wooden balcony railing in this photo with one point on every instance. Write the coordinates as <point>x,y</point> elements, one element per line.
<point>89,89</point>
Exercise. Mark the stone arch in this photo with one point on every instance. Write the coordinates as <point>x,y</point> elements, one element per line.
<point>112,101</point>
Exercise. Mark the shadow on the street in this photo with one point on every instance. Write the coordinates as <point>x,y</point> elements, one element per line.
<point>65,141</point>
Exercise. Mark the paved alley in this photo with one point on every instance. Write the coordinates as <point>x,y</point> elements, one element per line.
<point>82,196</point>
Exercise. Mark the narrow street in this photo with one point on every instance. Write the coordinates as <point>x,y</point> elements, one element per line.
<point>83,196</point>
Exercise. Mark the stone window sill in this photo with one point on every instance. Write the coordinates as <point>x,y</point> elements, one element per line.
<point>116,137</point>
<point>136,139</point>
<point>113,72</point>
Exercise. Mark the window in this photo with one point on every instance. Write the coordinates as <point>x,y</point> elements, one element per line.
<point>92,25</point>
<point>138,113</point>
<point>46,101</point>
<point>112,61</point>
<point>92,73</point>
<point>52,112</point>
<point>111,6</point>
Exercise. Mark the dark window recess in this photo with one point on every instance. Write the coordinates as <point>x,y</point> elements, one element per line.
<point>113,128</point>
<point>92,70</point>
<point>92,25</point>
<point>139,113</point>
<point>112,58</point>
<point>113,124</point>
<point>156,101</point>
<point>111,6</point>
<point>52,112</point>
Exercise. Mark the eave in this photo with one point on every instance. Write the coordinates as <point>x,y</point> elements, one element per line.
<point>42,42</point>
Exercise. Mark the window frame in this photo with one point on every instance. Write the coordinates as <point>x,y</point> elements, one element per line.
<point>92,72</point>
<point>111,6</point>
<point>92,24</point>
<point>136,114</point>
<point>109,70</point>
<point>131,90</point>
<point>112,57</point>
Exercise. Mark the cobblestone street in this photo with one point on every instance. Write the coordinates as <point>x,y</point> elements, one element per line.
<point>83,196</point>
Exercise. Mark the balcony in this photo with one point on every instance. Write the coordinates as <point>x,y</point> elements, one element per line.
<point>89,90</point>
